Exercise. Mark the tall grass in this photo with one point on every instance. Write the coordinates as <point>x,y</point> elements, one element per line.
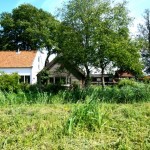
<point>10,98</point>
<point>89,116</point>
<point>113,94</point>
<point>124,92</point>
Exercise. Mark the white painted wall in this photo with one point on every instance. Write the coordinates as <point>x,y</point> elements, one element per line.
<point>20,71</point>
<point>39,63</point>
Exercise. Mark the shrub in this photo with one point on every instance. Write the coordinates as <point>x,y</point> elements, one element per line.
<point>52,88</point>
<point>25,87</point>
<point>2,98</point>
<point>9,82</point>
<point>129,82</point>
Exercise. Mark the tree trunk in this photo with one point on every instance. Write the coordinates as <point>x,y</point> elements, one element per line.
<point>149,35</point>
<point>103,81</point>
<point>87,79</point>
<point>46,60</point>
<point>148,27</point>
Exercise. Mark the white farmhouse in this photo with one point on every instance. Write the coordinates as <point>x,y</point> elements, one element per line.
<point>26,63</point>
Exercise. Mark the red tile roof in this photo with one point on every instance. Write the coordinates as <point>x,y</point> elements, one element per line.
<point>12,59</point>
<point>124,74</point>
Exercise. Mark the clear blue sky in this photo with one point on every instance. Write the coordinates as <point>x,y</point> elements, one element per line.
<point>136,7</point>
<point>48,5</point>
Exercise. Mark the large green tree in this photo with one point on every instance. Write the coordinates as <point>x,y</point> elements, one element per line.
<point>80,17</point>
<point>144,37</point>
<point>102,35</point>
<point>113,43</point>
<point>28,27</point>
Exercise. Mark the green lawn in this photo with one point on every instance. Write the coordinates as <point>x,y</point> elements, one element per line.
<point>41,127</point>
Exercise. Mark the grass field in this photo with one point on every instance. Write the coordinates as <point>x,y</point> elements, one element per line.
<point>42,127</point>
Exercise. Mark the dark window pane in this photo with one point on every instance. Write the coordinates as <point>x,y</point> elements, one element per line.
<point>63,80</point>
<point>99,79</point>
<point>57,80</point>
<point>27,79</point>
<point>68,80</point>
<point>60,80</point>
<point>93,79</point>
<point>51,80</point>
<point>106,79</point>
<point>110,79</point>
<point>21,80</point>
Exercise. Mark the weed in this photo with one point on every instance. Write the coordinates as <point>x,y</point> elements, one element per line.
<point>86,116</point>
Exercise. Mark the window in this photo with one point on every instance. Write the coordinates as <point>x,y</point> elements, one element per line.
<point>38,59</point>
<point>68,80</point>
<point>106,79</point>
<point>98,79</point>
<point>93,79</point>
<point>38,62</point>
<point>27,79</point>
<point>110,79</point>
<point>51,80</point>
<point>24,79</point>
<point>60,80</point>
<point>21,80</point>
<point>63,80</point>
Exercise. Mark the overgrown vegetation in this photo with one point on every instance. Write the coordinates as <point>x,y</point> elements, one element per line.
<point>9,82</point>
<point>89,116</point>
<point>126,91</point>
<point>114,117</point>
<point>42,127</point>
<point>77,118</point>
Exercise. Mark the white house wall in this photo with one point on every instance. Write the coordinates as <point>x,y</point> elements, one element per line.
<point>39,64</point>
<point>20,71</point>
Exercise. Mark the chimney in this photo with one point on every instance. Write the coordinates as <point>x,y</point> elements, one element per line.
<point>19,46</point>
<point>18,51</point>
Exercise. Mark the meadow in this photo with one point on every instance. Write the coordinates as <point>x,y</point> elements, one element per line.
<point>54,127</point>
<point>91,118</point>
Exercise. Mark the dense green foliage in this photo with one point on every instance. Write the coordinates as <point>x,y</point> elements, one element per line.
<point>127,91</point>
<point>144,38</point>
<point>9,82</point>
<point>26,28</point>
<point>96,33</point>
<point>42,127</point>
<point>92,34</point>
<point>144,30</point>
